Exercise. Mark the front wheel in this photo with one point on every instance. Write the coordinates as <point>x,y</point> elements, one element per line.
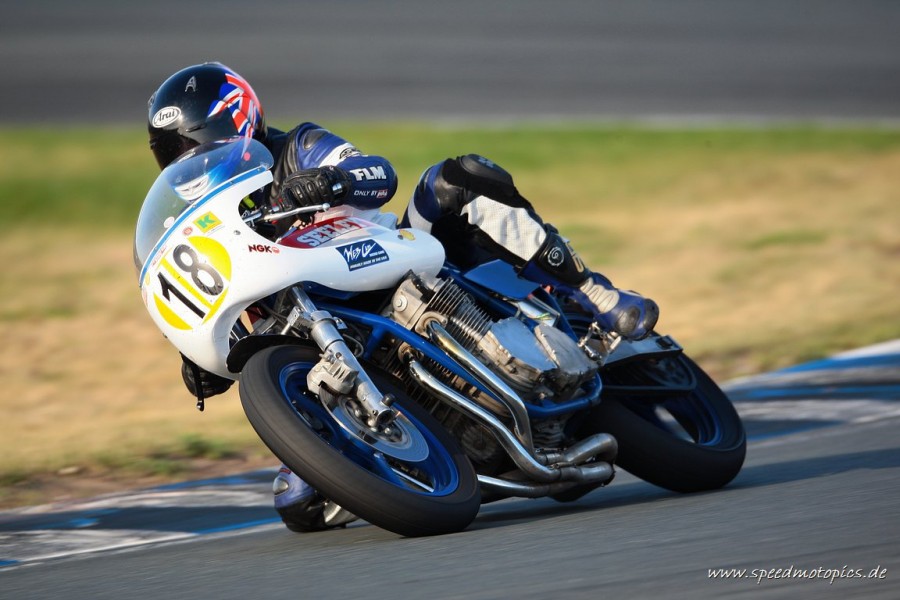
<point>410,478</point>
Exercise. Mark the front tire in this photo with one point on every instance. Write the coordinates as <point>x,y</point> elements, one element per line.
<point>429,490</point>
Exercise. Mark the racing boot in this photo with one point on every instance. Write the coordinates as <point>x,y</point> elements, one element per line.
<point>624,312</point>
<point>303,509</point>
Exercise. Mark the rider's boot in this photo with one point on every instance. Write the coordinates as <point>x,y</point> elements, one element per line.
<point>303,509</point>
<point>624,312</point>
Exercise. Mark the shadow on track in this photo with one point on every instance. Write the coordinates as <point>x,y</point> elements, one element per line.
<point>196,519</point>
<point>818,466</point>
<point>634,493</point>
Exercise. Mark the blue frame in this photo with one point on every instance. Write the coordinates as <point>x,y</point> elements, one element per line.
<point>382,326</point>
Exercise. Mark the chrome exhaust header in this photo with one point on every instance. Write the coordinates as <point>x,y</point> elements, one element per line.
<point>541,467</point>
<point>502,392</point>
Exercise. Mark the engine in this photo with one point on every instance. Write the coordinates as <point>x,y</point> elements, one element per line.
<point>541,363</point>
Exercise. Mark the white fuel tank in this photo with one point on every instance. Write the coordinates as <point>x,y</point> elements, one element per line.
<point>349,253</point>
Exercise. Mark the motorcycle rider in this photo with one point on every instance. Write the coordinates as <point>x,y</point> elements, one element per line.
<point>468,203</point>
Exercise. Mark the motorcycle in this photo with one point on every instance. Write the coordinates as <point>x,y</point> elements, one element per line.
<point>405,389</point>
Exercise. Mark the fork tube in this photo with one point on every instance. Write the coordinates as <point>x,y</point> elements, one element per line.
<point>324,332</point>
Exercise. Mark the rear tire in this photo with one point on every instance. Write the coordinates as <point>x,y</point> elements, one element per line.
<point>705,451</point>
<point>391,492</point>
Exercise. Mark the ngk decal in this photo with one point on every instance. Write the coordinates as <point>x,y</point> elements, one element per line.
<point>263,248</point>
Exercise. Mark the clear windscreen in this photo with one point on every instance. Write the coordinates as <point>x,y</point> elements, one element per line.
<point>194,177</point>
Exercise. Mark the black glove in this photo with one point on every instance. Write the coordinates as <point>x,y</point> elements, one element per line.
<point>317,186</point>
<point>210,383</point>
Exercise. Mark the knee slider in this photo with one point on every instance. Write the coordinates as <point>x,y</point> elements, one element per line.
<point>480,167</point>
<point>478,175</point>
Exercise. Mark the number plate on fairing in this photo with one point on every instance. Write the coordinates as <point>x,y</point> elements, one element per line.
<point>189,282</point>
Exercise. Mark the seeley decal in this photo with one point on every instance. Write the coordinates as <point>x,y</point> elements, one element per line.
<point>318,234</point>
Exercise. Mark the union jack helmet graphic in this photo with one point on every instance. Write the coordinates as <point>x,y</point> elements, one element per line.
<point>200,104</point>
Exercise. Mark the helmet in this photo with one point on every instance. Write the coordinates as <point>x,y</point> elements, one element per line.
<point>200,104</point>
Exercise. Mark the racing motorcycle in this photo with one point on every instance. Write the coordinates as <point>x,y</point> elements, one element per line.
<point>404,389</point>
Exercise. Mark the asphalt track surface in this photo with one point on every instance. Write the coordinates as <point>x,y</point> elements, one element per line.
<point>817,498</point>
<point>820,486</point>
<point>99,60</point>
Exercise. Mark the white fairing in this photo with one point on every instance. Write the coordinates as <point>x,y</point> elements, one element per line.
<point>201,265</point>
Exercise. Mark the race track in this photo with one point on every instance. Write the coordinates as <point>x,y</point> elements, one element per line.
<point>98,61</point>
<point>817,498</point>
<point>820,486</point>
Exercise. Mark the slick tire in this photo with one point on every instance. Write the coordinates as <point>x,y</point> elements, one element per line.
<point>319,461</point>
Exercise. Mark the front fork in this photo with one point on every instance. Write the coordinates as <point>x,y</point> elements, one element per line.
<point>338,372</point>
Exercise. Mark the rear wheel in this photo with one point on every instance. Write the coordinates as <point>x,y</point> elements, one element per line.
<point>686,441</point>
<point>410,478</point>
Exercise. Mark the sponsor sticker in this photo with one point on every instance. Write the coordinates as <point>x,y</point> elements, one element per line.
<point>165,116</point>
<point>207,222</point>
<point>365,253</point>
<point>369,173</point>
<point>263,248</point>
<point>316,235</point>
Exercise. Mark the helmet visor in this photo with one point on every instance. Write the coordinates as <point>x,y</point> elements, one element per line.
<point>169,145</point>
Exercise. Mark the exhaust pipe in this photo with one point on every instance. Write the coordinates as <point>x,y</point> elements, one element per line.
<point>603,446</point>
<point>600,473</point>
<point>502,392</point>
<point>524,460</point>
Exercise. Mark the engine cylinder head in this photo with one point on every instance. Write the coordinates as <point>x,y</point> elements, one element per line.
<point>420,296</point>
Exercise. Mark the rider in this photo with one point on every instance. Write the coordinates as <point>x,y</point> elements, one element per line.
<point>468,203</point>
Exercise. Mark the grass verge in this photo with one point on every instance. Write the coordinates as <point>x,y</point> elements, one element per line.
<point>763,247</point>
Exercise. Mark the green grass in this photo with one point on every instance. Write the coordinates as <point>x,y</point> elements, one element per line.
<point>75,177</point>
<point>97,178</point>
<point>763,247</point>
<point>167,457</point>
<point>787,237</point>
<point>765,202</point>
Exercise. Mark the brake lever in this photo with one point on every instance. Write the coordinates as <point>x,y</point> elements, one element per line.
<point>296,211</point>
<point>258,215</point>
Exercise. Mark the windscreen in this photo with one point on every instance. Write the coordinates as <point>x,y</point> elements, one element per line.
<point>193,178</point>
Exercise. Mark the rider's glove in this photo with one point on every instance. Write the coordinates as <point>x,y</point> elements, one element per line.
<point>317,186</point>
<point>210,383</point>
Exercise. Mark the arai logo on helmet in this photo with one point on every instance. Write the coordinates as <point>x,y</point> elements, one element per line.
<point>165,116</point>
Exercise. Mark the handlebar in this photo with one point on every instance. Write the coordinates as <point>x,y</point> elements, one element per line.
<point>338,190</point>
<point>257,215</point>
